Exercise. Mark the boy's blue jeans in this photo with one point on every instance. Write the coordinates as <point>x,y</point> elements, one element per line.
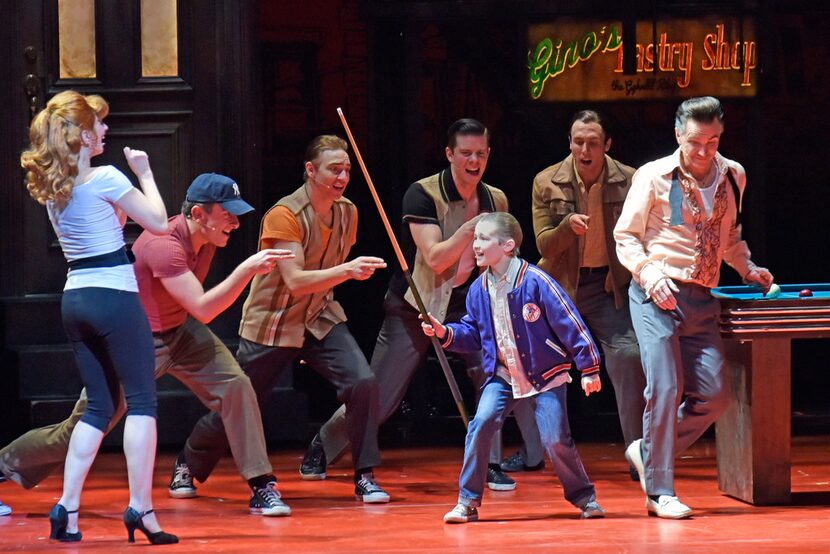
<point>552,418</point>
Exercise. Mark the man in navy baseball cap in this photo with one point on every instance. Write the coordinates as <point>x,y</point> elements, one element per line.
<point>215,188</point>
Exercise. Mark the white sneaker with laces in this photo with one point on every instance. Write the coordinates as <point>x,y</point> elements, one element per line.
<point>461,514</point>
<point>669,507</point>
<point>634,455</point>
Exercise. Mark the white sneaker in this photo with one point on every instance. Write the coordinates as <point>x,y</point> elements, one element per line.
<point>669,507</point>
<point>5,509</point>
<point>461,514</point>
<point>634,455</point>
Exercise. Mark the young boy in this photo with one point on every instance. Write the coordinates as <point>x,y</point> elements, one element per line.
<point>529,333</point>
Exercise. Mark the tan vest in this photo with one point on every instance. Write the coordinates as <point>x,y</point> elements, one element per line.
<point>435,290</point>
<point>271,315</point>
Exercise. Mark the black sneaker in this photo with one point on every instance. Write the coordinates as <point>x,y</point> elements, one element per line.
<point>181,482</point>
<point>497,480</point>
<point>516,462</point>
<point>313,467</point>
<point>266,501</point>
<point>367,490</point>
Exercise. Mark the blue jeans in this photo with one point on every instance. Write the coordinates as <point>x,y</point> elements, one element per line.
<point>400,350</point>
<point>552,418</point>
<point>683,356</point>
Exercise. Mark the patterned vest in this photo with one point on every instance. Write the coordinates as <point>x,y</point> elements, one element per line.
<point>435,290</point>
<point>272,315</point>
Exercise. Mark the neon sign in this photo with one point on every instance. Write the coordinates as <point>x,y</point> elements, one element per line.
<point>690,57</point>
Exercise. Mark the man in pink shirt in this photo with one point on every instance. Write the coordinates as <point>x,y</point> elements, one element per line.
<point>679,222</point>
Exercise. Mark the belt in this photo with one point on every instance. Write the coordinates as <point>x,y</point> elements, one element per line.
<point>110,259</point>
<point>593,270</point>
<point>162,334</point>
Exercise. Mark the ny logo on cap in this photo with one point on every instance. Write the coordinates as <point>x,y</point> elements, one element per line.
<point>236,190</point>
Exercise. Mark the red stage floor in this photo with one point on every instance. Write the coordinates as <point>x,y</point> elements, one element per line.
<point>422,483</point>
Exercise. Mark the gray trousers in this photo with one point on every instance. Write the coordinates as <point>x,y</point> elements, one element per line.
<point>400,350</point>
<point>613,330</point>
<point>338,358</point>
<point>683,357</point>
<point>195,356</point>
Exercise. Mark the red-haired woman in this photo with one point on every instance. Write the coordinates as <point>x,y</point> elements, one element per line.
<point>101,312</point>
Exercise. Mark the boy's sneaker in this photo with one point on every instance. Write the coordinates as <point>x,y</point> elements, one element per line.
<point>266,501</point>
<point>367,490</point>
<point>516,462</point>
<point>5,509</point>
<point>497,480</point>
<point>592,510</point>
<point>181,482</point>
<point>461,514</point>
<point>313,467</point>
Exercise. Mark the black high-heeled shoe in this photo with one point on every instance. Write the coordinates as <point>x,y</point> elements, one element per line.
<point>132,521</point>
<point>58,520</point>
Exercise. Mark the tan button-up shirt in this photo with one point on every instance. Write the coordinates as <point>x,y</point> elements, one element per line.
<point>594,252</point>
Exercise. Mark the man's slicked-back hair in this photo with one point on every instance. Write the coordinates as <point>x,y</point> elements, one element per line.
<point>591,116</point>
<point>703,109</point>
<point>507,227</point>
<point>466,126</point>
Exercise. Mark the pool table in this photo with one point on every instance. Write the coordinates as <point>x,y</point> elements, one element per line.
<point>753,436</point>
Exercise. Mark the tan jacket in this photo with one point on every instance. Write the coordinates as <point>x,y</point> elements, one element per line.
<point>555,198</point>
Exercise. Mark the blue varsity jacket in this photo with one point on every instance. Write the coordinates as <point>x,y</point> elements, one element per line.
<point>549,332</point>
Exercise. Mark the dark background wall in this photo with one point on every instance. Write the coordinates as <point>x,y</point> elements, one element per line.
<point>418,66</point>
<point>404,70</point>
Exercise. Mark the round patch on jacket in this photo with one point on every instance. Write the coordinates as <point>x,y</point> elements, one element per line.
<point>531,312</point>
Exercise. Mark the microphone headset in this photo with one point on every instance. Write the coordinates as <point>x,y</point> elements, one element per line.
<point>190,217</point>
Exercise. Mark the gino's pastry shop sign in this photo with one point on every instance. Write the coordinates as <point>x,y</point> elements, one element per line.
<point>576,60</point>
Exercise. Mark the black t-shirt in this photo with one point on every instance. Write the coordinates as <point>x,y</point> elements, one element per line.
<point>418,207</point>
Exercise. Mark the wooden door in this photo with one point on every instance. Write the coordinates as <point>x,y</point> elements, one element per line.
<point>179,78</point>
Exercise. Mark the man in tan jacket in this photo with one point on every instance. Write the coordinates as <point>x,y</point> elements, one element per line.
<point>576,203</point>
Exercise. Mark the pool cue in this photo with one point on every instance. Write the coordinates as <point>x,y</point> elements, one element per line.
<point>439,352</point>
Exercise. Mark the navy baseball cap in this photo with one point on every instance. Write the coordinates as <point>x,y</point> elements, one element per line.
<point>215,188</point>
